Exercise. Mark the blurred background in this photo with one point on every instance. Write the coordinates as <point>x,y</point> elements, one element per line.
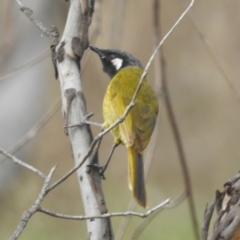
<point>202,56</point>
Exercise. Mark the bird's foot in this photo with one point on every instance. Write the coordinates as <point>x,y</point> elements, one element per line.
<point>85,121</point>
<point>101,169</point>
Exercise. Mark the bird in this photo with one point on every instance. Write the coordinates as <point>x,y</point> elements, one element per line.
<point>125,72</point>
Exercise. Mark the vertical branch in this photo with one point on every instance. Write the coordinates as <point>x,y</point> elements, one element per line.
<point>68,53</point>
<point>173,123</point>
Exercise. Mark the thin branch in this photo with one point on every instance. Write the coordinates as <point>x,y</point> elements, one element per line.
<point>206,221</point>
<point>34,208</point>
<point>44,55</point>
<point>213,55</point>
<point>52,111</point>
<point>107,215</point>
<point>52,34</point>
<point>30,63</point>
<point>164,38</point>
<point>182,158</point>
<point>36,128</point>
<point>145,223</point>
<point>181,153</point>
<point>15,160</point>
<point>92,145</point>
<point>125,222</point>
<point>67,56</point>
<point>118,8</point>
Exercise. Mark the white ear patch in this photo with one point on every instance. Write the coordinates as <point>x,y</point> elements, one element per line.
<point>117,62</point>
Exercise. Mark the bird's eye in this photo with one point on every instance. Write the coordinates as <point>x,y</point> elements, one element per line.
<point>111,57</point>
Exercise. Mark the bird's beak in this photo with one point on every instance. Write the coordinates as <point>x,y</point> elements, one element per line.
<point>98,51</point>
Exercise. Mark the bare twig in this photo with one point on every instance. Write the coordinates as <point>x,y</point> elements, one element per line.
<point>32,62</point>
<point>118,8</point>
<point>52,34</point>
<point>125,222</point>
<point>34,208</point>
<point>181,153</point>
<point>107,215</point>
<point>98,16</point>
<point>206,221</point>
<point>35,129</point>
<point>15,160</point>
<point>213,55</point>
<point>227,203</point>
<point>52,111</point>
<point>145,223</point>
<point>182,158</point>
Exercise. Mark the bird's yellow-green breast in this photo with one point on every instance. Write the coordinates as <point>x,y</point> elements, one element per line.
<point>141,119</point>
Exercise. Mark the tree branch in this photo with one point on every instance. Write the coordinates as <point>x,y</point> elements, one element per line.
<point>15,160</point>
<point>30,63</point>
<point>35,129</point>
<point>52,34</point>
<point>145,223</point>
<point>107,215</point>
<point>34,208</point>
<point>68,54</point>
<point>227,203</point>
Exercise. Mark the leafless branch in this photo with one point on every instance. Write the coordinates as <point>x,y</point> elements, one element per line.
<point>117,23</point>
<point>177,137</point>
<point>15,160</point>
<point>67,56</point>
<point>206,221</point>
<point>52,111</point>
<point>107,215</point>
<point>227,204</point>
<point>52,34</point>
<point>34,208</point>
<point>125,222</point>
<point>147,221</point>
<point>19,69</point>
<point>213,55</point>
<point>35,129</point>
<point>182,158</point>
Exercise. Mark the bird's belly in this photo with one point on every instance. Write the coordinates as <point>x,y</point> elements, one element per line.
<point>110,117</point>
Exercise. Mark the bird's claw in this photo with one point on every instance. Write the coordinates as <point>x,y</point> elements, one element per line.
<point>101,169</point>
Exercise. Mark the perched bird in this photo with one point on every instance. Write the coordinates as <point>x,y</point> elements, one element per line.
<point>135,131</point>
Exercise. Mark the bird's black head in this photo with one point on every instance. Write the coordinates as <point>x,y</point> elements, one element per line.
<point>113,60</point>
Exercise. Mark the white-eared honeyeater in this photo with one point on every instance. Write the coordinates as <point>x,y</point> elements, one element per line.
<point>135,131</point>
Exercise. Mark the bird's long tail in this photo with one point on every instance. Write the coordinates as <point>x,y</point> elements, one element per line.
<point>136,176</point>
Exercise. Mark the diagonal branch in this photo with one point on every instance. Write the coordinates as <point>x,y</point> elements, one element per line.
<point>35,129</point>
<point>52,34</point>
<point>34,208</point>
<point>15,160</point>
<point>145,223</point>
<point>30,63</point>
